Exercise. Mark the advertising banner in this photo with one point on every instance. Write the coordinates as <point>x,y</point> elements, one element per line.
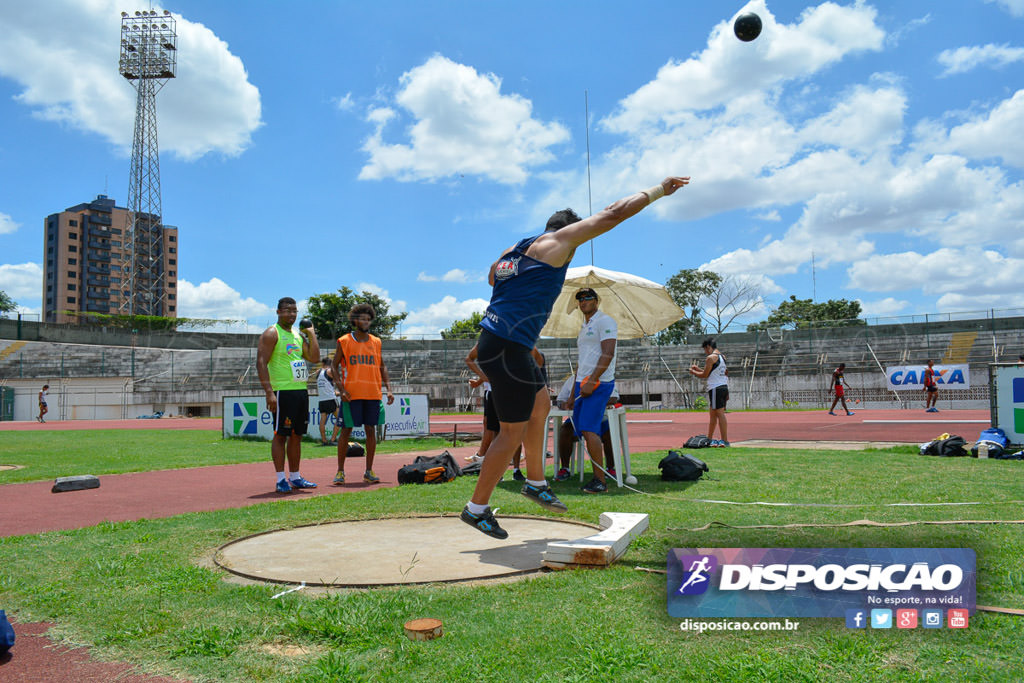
<point>818,582</point>
<point>1008,406</point>
<point>409,415</point>
<point>911,377</point>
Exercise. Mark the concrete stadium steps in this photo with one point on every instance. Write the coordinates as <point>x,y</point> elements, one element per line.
<point>764,370</point>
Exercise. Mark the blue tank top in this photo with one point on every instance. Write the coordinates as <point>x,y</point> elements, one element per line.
<point>524,291</point>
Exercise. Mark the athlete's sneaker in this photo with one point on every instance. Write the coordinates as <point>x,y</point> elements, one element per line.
<point>715,443</point>
<point>611,471</point>
<point>301,483</point>
<point>370,478</point>
<point>562,474</point>
<point>595,485</point>
<point>723,444</point>
<point>518,475</point>
<point>484,522</point>
<point>933,409</point>
<point>544,497</point>
<point>339,478</point>
<point>283,486</point>
<point>849,412</point>
<point>831,413</point>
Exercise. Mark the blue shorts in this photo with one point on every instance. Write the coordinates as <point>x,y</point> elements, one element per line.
<point>361,413</point>
<point>588,411</point>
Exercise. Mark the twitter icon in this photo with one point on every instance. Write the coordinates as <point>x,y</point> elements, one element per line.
<point>881,618</point>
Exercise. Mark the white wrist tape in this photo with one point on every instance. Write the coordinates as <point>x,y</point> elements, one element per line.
<point>655,193</point>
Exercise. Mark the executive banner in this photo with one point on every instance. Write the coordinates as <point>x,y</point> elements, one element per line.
<point>910,377</point>
<point>409,415</point>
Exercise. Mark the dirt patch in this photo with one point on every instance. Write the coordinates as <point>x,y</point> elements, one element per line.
<point>290,650</point>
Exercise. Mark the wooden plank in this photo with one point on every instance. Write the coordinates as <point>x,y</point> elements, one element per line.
<point>618,529</point>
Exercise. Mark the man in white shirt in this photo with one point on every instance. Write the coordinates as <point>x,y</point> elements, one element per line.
<point>328,400</point>
<point>595,380</point>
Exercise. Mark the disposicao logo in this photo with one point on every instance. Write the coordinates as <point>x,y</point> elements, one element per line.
<point>245,415</point>
<point>697,576</point>
<point>817,582</point>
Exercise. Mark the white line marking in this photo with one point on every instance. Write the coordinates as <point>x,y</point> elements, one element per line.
<point>939,421</point>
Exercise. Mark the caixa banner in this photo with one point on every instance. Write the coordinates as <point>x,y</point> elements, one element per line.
<point>910,377</point>
<point>816,582</point>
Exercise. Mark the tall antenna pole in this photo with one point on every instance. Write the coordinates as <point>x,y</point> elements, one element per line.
<point>590,199</point>
<point>149,57</point>
<point>814,279</point>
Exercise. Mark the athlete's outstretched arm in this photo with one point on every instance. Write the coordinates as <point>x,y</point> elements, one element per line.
<point>556,248</point>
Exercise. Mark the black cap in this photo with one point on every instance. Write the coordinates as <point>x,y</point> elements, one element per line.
<point>586,291</point>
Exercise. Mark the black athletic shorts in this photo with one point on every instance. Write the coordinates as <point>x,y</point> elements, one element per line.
<point>718,397</point>
<point>292,415</point>
<point>490,416</point>
<point>329,407</point>
<point>514,376</point>
<point>931,389</point>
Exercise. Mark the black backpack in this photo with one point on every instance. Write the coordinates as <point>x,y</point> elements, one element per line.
<point>952,447</point>
<point>699,441</point>
<point>678,466</point>
<point>425,469</point>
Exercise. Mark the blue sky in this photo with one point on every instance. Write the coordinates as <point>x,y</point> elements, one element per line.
<point>400,146</point>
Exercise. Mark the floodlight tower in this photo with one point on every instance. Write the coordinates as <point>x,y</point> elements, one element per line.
<point>149,58</point>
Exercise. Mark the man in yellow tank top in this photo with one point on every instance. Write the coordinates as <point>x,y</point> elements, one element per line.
<point>281,359</point>
<point>359,371</point>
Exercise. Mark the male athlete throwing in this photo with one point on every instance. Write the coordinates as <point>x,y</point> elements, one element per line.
<point>526,280</point>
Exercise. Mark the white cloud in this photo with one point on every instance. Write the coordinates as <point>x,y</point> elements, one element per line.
<point>453,275</point>
<point>345,103</point>
<point>216,299</point>
<point>728,69</point>
<point>23,281</point>
<point>7,224</point>
<point>431,320</point>
<point>883,307</point>
<point>964,279</point>
<point>1014,7</point>
<point>963,59</point>
<point>394,305</point>
<point>462,124</point>
<point>985,135</point>
<point>65,53</point>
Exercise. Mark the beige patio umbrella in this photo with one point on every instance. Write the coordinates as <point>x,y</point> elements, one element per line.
<point>640,307</point>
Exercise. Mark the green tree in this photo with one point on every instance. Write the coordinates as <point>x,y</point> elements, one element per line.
<point>7,304</point>
<point>467,328</point>
<point>329,313</point>
<point>687,288</point>
<point>804,313</point>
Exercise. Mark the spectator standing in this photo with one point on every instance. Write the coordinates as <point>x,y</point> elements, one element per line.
<point>595,381</point>
<point>716,374</point>
<point>359,372</point>
<point>281,358</point>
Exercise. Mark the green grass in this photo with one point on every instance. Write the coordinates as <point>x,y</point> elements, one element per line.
<point>140,591</point>
<point>67,453</point>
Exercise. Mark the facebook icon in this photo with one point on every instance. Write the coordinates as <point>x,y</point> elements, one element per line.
<point>856,618</point>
